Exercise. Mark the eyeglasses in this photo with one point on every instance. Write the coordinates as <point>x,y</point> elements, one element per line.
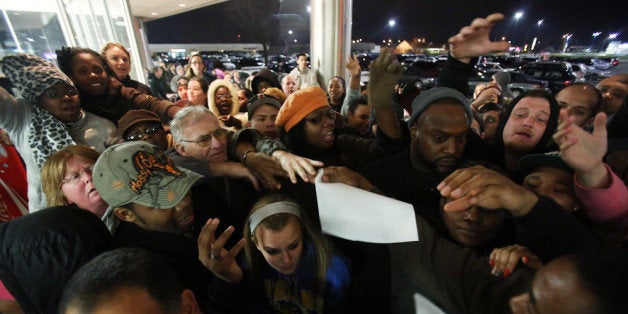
<point>318,119</point>
<point>223,96</point>
<point>55,93</point>
<point>76,176</point>
<point>138,136</point>
<point>206,140</point>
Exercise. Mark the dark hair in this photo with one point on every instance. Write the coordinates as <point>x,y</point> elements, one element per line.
<point>543,145</point>
<point>603,273</point>
<point>247,92</point>
<point>592,89</point>
<point>342,80</point>
<point>66,54</point>
<point>98,280</point>
<point>301,54</point>
<point>355,102</point>
<point>490,106</point>
<point>295,138</point>
<point>201,80</point>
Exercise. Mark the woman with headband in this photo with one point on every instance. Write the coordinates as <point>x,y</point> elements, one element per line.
<point>290,266</point>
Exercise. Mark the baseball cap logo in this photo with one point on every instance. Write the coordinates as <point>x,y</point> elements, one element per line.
<point>146,165</point>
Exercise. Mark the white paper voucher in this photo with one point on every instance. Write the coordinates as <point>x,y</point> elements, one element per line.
<point>354,214</point>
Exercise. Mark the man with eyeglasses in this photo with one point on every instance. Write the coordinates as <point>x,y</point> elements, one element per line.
<point>143,125</point>
<point>201,145</point>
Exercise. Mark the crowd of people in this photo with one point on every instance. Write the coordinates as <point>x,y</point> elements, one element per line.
<point>195,194</point>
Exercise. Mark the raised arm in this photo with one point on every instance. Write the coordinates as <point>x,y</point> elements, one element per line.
<point>385,73</point>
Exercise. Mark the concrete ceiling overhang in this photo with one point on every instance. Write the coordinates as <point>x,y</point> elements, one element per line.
<point>156,9</point>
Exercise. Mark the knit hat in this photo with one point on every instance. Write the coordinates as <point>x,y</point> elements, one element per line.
<point>529,163</point>
<point>300,104</point>
<point>31,74</point>
<point>138,172</point>
<point>265,75</point>
<point>428,97</point>
<point>133,117</point>
<point>261,99</point>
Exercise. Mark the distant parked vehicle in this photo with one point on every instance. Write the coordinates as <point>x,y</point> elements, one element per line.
<point>421,74</point>
<point>558,74</point>
<point>519,83</point>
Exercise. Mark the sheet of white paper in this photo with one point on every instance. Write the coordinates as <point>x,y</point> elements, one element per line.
<point>354,214</point>
<point>424,306</point>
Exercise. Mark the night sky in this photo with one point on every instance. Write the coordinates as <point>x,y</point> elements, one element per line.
<point>436,20</point>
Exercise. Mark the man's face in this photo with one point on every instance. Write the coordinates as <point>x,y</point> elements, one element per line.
<point>579,102</point>
<point>335,90</point>
<point>491,121</point>
<point>526,124</point>
<point>554,183</point>
<point>473,227</point>
<point>439,135</point>
<point>177,219</point>
<point>613,94</point>
<point>148,131</point>
<point>302,62</point>
<point>216,151</point>
<point>359,119</point>
<point>263,120</point>
<point>288,85</point>
<point>556,288</point>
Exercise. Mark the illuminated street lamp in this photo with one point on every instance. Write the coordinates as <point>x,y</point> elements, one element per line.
<point>594,35</point>
<point>391,23</point>
<point>518,15</point>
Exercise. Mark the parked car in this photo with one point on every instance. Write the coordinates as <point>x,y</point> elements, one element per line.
<point>519,83</point>
<point>558,74</point>
<point>421,74</point>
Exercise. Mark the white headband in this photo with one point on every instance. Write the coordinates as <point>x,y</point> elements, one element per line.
<point>271,209</point>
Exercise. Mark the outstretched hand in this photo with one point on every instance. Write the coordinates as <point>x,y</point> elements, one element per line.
<point>486,188</point>
<point>215,257</point>
<point>473,40</point>
<point>385,72</point>
<point>584,151</point>
<point>345,175</point>
<point>265,168</point>
<point>504,260</point>
<point>297,165</point>
<point>353,66</point>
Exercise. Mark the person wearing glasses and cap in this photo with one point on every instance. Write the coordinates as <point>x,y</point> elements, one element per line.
<point>152,199</point>
<point>46,118</point>
<point>144,125</point>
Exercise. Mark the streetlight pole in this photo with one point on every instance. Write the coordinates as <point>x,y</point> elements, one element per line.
<point>594,35</point>
<point>518,15</point>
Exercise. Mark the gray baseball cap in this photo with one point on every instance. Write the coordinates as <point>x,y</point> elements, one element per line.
<point>426,98</point>
<point>139,172</point>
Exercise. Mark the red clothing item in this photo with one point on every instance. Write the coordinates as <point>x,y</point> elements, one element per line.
<point>13,186</point>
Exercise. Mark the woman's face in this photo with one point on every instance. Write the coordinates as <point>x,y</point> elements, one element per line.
<point>62,101</point>
<point>196,94</point>
<point>282,249</point>
<point>242,99</point>
<point>119,61</point>
<point>88,74</point>
<point>554,183</point>
<point>197,65</point>
<point>78,188</point>
<point>223,100</point>
<point>319,129</point>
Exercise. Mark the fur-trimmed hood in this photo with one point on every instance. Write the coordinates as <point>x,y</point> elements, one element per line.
<point>235,108</point>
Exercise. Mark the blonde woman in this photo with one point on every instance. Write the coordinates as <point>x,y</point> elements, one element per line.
<point>291,266</point>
